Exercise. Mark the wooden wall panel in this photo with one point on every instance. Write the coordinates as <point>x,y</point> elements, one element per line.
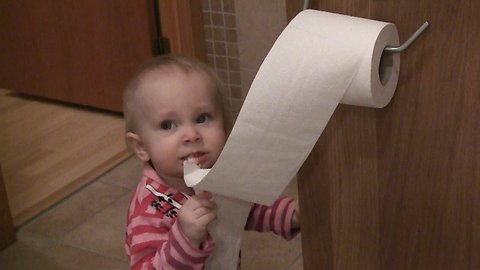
<point>339,194</point>
<point>429,140</point>
<point>84,52</point>
<point>415,204</point>
<point>76,51</point>
<point>182,25</point>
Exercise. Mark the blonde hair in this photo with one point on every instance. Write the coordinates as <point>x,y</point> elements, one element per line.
<point>185,64</point>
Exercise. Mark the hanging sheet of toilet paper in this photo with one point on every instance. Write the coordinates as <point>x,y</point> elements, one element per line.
<point>320,60</point>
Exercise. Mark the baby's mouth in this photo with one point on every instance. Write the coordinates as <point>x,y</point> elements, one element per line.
<point>198,158</point>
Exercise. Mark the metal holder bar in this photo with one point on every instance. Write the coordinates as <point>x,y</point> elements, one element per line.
<point>409,41</point>
<point>306,4</point>
<point>390,49</point>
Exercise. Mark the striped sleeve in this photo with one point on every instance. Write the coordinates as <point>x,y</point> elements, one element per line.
<point>276,218</point>
<point>154,241</point>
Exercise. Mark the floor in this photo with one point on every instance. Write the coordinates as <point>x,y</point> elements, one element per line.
<point>86,231</point>
<point>48,149</point>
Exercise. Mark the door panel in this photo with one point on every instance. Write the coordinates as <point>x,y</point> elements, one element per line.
<point>399,187</point>
<point>76,51</point>
<point>85,51</point>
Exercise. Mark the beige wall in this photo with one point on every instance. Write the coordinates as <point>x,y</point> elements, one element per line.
<point>259,23</point>
<point>238,36</point>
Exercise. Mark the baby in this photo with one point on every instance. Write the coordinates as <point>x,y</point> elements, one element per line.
<point>174,111</point>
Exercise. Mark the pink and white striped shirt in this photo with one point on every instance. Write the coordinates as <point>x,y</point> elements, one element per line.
<point>154,238</point>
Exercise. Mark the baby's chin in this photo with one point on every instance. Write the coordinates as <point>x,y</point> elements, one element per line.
<point>206,166</point>
<point>174,179</point>
<point>177,182</point>
<point>209,164</point>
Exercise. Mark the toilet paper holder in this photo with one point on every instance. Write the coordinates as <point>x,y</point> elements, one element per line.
<point>409,41</point>
<point>391,49</point>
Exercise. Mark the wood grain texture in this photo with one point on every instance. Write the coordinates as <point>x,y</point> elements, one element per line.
<point>182,24</point>
<point>339,194</point>
<point>415,204</point>
<point>48,150</point>
<point>84,52</point>
<point>76,51</point>
<point>430,141</point>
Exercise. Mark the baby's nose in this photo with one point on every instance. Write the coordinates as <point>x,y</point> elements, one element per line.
<point>191,134</point>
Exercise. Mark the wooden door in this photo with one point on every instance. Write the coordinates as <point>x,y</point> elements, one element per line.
<point>85,51</point>
<point>76,51</point>
<point>399,187</point>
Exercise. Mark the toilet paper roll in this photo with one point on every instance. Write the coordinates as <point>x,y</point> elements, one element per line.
<point>320,60</point>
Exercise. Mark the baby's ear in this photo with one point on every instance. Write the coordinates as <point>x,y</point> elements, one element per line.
<point>136,144</point>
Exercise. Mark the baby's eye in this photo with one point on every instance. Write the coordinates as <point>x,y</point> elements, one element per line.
<point>167,125</point>
<point>202,118</point>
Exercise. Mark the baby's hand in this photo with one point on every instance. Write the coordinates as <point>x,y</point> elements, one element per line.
<point>296,216</point>
<point>195,215</point>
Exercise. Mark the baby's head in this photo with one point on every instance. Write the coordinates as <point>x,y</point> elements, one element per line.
<point>174,110</point>
<point>170,64</point>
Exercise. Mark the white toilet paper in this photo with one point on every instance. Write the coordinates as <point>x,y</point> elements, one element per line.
<point>320,60</point>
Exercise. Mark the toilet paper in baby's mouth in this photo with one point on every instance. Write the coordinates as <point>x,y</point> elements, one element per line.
<point>320,60</point>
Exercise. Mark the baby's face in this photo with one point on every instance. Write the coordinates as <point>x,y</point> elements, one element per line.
<point>178,118</point>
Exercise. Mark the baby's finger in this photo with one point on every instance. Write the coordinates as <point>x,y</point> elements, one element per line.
<point>202,211</point>
<point>205,195</point>
<point>204,204</point>
<point>206,218</point>
<point>195,203</point>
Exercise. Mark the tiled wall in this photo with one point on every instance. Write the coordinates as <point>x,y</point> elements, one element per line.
<point>259,23</point>
<point>238,36</point>
<point>222,46</point>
